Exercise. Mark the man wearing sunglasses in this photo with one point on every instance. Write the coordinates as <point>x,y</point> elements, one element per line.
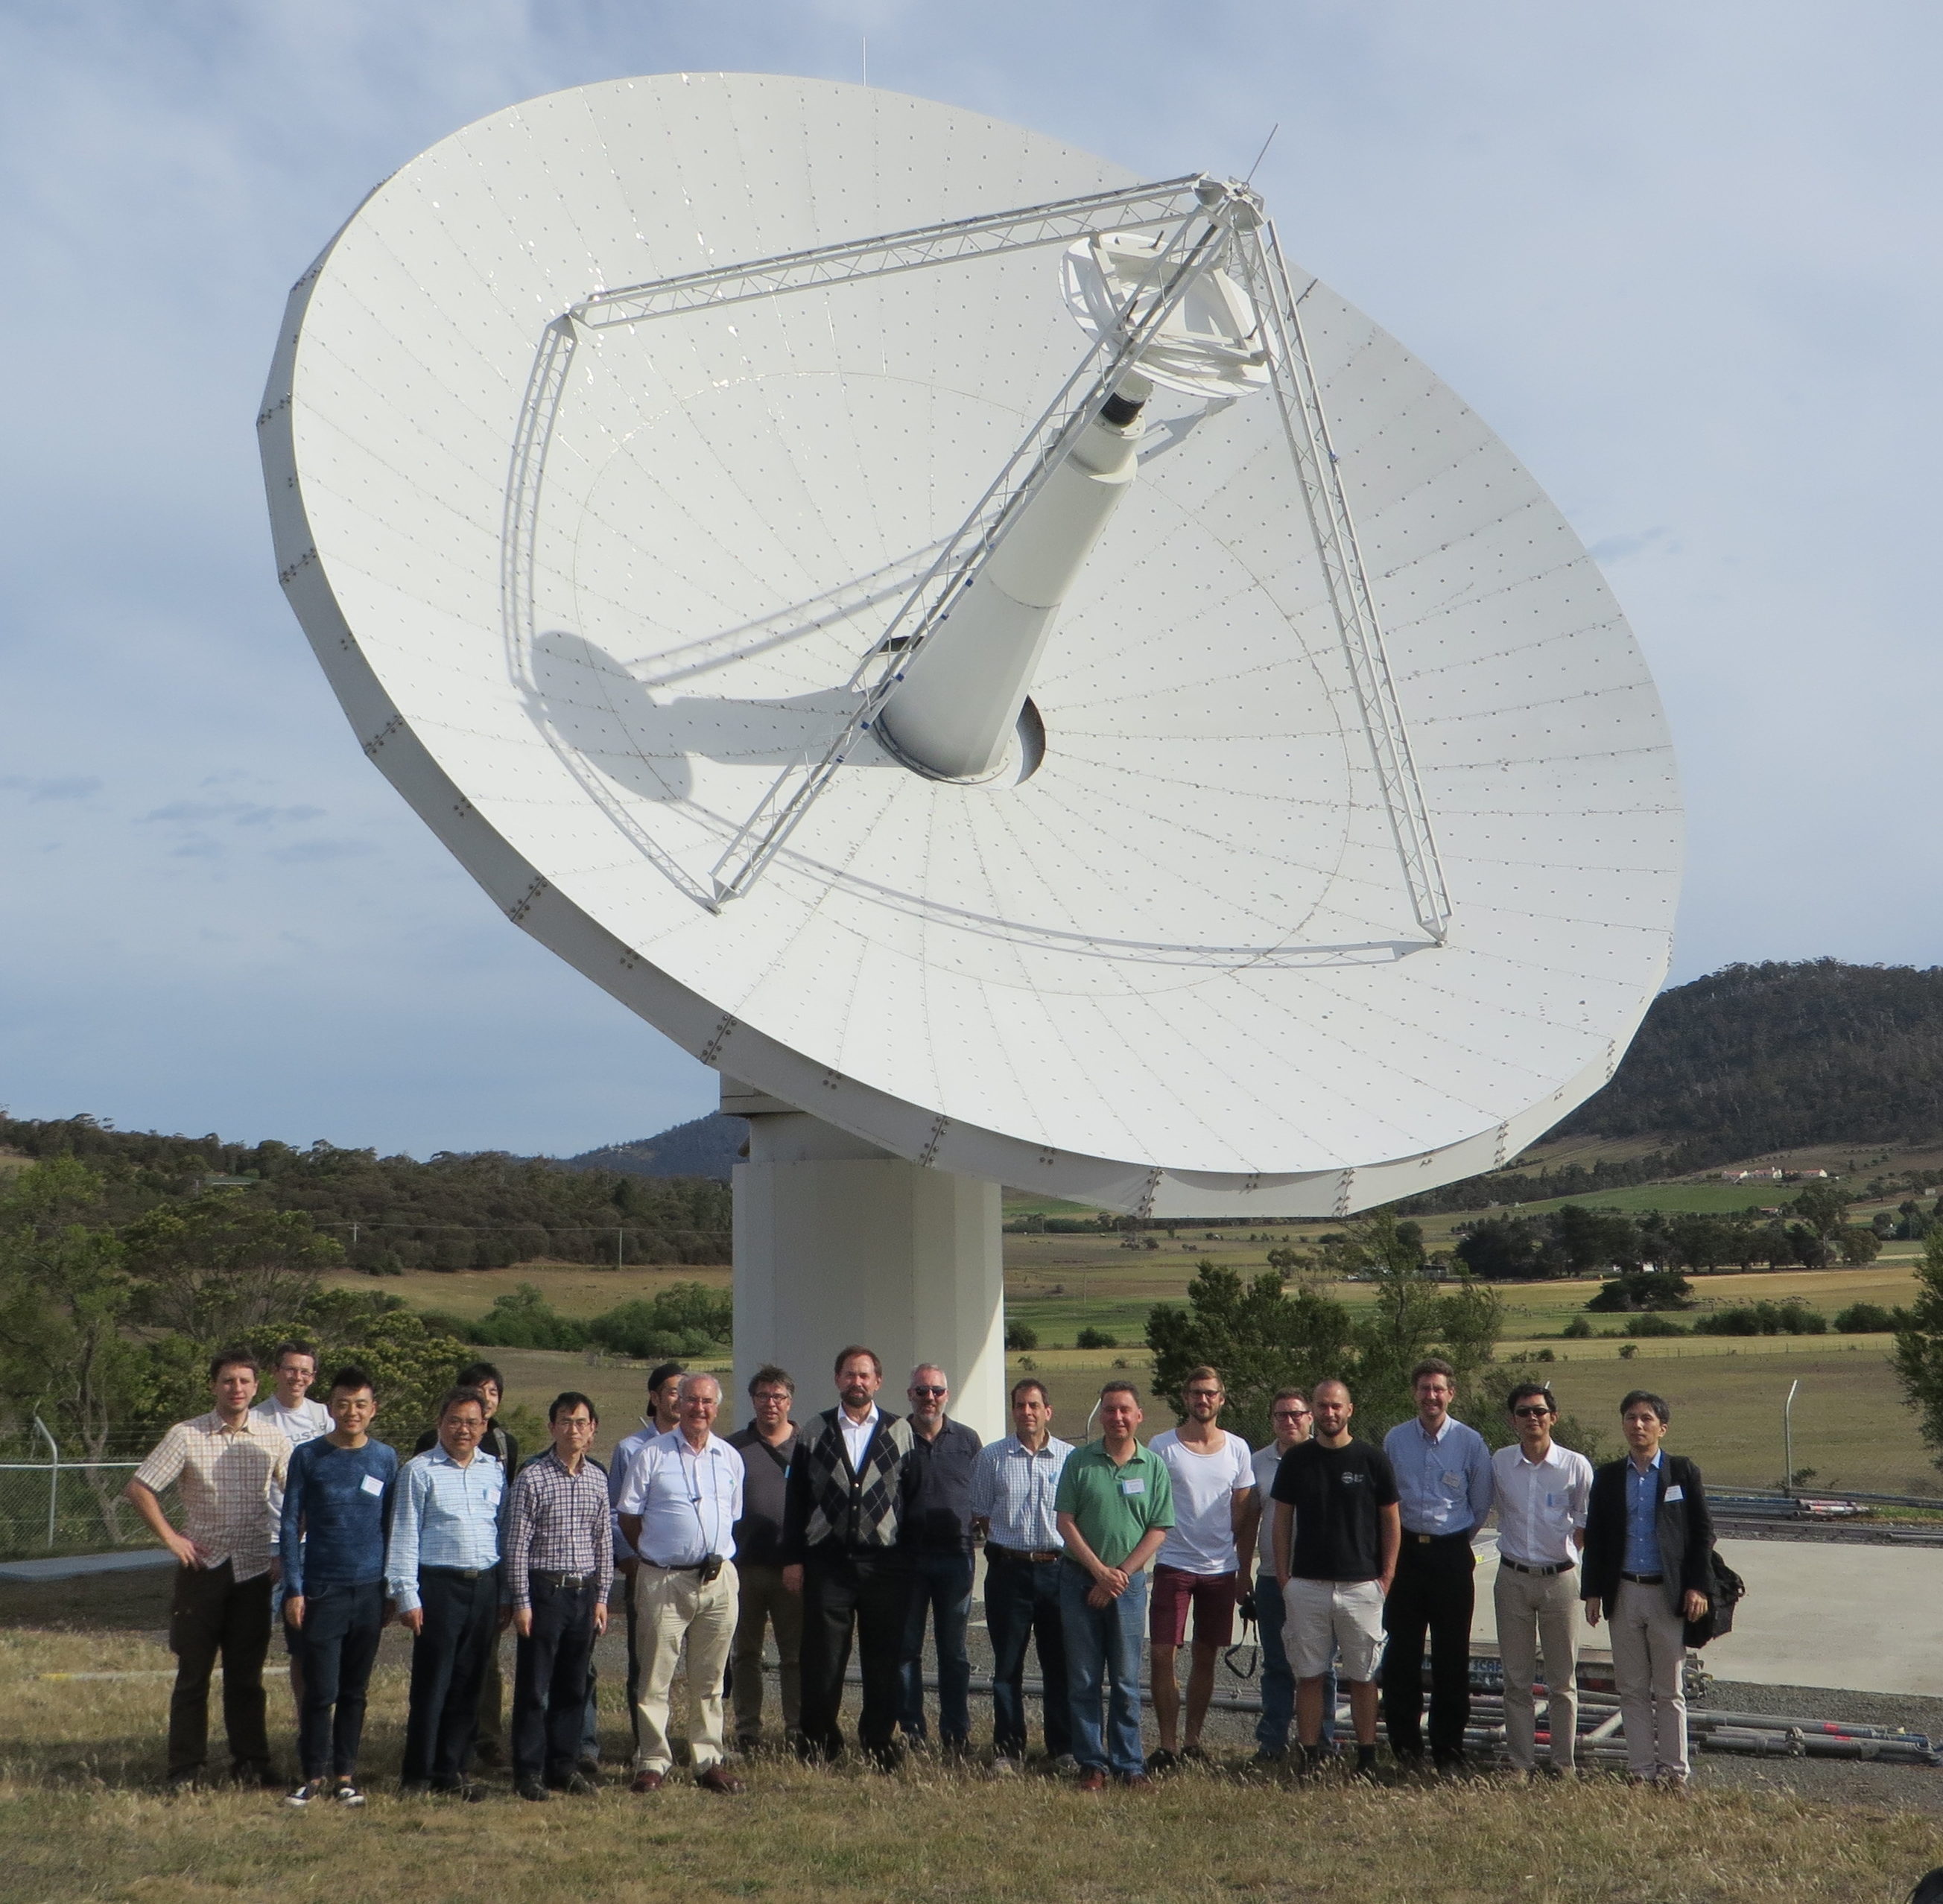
<point>1290,1417</point>
<point>937,1532</point>
<point>1542,1492</point>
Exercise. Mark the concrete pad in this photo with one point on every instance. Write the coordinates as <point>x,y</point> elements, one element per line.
<point>73,1566</point>
<point>1850,1616</point>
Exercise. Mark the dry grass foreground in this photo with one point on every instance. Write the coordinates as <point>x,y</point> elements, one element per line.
<point>79,1817</point>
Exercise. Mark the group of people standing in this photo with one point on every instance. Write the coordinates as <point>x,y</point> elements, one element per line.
<point>858,1528</point>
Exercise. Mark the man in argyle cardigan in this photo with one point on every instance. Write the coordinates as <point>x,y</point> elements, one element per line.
<point>845,1494</point>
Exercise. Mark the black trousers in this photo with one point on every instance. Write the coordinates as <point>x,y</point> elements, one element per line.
<point>869,1592</point>
<point>336,1644</point>
<point>549,1667</point>
<point>214,1613</point>
<point>1434,1592</point>
<point>459,1635</point>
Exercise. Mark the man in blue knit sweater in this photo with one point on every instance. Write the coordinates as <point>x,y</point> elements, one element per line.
<point>337,1504</point>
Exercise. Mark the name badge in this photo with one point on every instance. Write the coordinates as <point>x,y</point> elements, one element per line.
<point>371,1485</point>
<point>1676,1492</point>
<point>492,1497</point>
<point>1137,1485</point>
<point>1452,1478</point>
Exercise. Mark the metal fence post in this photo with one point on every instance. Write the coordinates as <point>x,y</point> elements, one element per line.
<point>53,1477</point>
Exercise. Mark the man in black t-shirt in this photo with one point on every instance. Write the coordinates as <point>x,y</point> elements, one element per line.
<point>1337,1532</point>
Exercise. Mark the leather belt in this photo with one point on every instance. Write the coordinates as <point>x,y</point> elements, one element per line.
<point>555,1578</point>
<point>1644,1579</point>
<point>1520,1567</point>
<point>1035,1556</point>
<point>461,1573</point>
<point>1437,1540</point>
<point>682,1567</point>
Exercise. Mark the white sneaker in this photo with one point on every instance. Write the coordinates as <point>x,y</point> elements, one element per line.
<point>311,1788</point>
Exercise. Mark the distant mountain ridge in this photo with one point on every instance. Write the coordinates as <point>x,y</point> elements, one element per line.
<point>1770,1057</point>
<point>703,1147</point>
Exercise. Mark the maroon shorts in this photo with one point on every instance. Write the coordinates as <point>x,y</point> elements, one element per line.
<point>1212,1597</point>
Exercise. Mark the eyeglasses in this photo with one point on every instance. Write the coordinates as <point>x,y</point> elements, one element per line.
<point>931,1391</point>
<point>1204,1395</point>
<point>1291,1415</point>
<point>772,1395</point>
<point>1531,1414</point>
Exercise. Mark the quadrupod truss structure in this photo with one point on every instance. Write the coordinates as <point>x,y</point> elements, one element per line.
<point>1176,759</point>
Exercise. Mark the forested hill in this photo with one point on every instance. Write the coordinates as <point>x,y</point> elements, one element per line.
<point>703,1147</point>
<point>1758,1058</point>
<point>455,1211</point>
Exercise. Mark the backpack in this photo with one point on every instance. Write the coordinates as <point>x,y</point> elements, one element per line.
<point>1727,1591</point>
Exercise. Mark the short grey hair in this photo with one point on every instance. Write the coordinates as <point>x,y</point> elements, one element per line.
<point>698,1374</point>
<point>930,1369</point>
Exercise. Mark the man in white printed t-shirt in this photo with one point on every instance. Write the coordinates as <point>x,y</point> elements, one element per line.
<point>290,1410</point>
<point>1200,1564</point>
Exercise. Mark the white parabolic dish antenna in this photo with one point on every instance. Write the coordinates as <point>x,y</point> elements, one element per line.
<point>977,647</point>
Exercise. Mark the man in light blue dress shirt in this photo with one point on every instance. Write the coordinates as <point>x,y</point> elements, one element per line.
<point>442,1567</point>
<point>1013,1489</point>
<point>1444,1488</point>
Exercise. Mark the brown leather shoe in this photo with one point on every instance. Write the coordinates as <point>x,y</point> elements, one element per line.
<point>1137,1781</point>
<point>719,1778</point>
<point>647,1781</point>
<point>1094,1778</point>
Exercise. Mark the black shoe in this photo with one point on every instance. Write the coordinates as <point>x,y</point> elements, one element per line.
<point>414,1788</point>
<point>248,1772</point>
<point>579,1786</point>
<point>185,1782</point>
<point>488,1752</point>
<point>1192,1755</point>
<point>531,1789</point>
<point>1160,1760</point>
<point>588,1769</point>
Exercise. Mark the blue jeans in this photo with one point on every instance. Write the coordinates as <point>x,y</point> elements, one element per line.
<point>941,1585</point>
<point>1022,1603</point>
<point>1104,1643</point>
<point>1277,1719</point>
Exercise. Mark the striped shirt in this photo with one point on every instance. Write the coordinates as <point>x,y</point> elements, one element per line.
<point>225,1475</point>
<point>559,1524</point>
<point>1014,1488</point>
<point>442,1515</point>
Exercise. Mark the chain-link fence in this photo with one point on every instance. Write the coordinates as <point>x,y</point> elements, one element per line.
<point>51,1505</point>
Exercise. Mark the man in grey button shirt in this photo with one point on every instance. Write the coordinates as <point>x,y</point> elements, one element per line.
<point>767,1446</point>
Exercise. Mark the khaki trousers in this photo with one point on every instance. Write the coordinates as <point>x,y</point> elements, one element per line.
<point>1536,1611</point>
<point>763,1599</point>
<point>671,1604</point>
<point>1649,1649</point>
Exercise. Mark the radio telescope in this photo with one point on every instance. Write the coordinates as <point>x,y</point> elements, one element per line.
<point>985,651</point>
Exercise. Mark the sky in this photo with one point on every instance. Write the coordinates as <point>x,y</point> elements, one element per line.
<point>1684,259</point>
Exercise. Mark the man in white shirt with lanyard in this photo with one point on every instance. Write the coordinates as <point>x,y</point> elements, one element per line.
<point>1543,1493</point>
<point>293,1368</point>
<point>678,1506</point>
<point>1201,1563</point>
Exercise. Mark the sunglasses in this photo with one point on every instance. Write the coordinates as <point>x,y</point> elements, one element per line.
<point>931,1391</point>
<point>1531,1414</point>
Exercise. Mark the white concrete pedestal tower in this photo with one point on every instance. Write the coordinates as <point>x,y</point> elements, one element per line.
<point>837,1242</point>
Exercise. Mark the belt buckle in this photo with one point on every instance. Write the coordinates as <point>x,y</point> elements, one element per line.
<point>1422,1539</point>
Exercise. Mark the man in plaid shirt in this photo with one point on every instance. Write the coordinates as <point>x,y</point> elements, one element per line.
<point>559,1562</point>
<point>225,1463</point>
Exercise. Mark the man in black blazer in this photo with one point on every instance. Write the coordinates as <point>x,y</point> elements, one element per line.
<point>1648,1536</point>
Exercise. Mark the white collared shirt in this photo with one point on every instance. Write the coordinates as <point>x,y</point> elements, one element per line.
<point>1539,1504</point>
<point>625,1449</point>
<point>688,1503</point>
<point>856,1435</point>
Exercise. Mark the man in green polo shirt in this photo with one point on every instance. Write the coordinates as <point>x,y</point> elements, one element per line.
<point>1114,1506</point>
